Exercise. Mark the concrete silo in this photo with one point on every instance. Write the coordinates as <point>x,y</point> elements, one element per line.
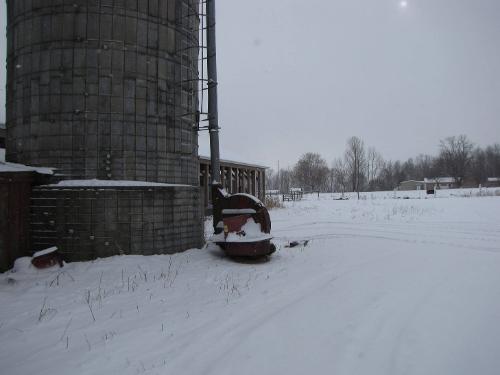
<point>107,90</point>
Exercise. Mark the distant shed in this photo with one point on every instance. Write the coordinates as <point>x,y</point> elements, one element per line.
<point>440,183</point>
<point>493,182</point>
<point>411,185</point>
<point>16,182</point>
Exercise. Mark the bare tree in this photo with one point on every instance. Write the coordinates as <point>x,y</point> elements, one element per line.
<point>456,155</point>
<point>271,179</point>
<point>485,163</point>
<point>492,155</point>
<point>355,158</point>
<point>311,171</point>
<point>360,169</point>
<point>285,180</point>
<point>374,165</point>
<point>279,180</point>
<point>478,166</point>
<point>425,166</point>
<point>339,175</point>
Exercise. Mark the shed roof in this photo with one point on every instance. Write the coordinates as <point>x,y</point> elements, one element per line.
<point>409,181</point>
<point>6,167</point>
<point>440,180</point>
<point>225,161</point>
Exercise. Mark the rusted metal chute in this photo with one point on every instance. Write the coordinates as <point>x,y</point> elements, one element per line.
<point>242,226</point>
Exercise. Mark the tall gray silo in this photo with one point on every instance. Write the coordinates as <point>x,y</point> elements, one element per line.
<point>104,89</point>
<point>107,90</point>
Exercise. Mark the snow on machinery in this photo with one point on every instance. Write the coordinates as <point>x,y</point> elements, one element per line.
<point>242,226</point>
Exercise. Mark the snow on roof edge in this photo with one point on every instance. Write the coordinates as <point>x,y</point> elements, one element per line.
<point>442,180</point>
<point>6,167</point>
<point>207,158</point>
<point>111,183</point>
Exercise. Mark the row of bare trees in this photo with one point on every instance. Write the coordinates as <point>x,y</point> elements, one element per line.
<point>363,168</point>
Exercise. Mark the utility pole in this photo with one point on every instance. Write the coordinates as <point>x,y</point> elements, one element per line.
<point>213,118</point>
<point>279,180</point>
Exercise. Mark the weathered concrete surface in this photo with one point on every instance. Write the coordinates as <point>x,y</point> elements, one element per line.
<point>104,89</point>
<point>107,89</point>
<point>91,222</point>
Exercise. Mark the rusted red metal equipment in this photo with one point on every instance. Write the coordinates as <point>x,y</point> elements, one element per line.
<point>47,258</point>
<point>242,225</point>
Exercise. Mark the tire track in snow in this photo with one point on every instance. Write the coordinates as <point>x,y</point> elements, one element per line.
<point>409,235</point>
<point>244,324</point>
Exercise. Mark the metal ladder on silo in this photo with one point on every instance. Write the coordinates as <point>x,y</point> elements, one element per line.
<point>200,117</point>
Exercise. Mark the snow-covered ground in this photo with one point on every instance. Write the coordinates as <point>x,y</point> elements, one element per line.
<point>385,285</point>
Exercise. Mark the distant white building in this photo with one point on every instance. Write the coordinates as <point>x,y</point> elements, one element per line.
<point>493,182</point>
<point>440,183</point>
<point>411,185</point>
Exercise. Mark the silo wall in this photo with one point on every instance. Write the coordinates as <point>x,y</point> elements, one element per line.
<point>104,89</point>
<point>107,90</point>
<point>91,222</point>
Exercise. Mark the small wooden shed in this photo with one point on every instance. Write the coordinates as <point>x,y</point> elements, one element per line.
<point>16,182</point>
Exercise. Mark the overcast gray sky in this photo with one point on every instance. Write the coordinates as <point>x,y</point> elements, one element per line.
<point>298,76</point>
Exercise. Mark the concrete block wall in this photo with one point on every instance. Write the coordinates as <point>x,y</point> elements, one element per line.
<point>87,223</point>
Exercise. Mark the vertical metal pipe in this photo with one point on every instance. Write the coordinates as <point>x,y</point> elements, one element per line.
<point>213,120</point>
<point>237,178</point>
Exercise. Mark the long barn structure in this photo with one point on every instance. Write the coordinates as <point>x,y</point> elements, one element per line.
<point>236,177</point>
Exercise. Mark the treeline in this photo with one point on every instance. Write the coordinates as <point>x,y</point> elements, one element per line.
<point>363,168</point>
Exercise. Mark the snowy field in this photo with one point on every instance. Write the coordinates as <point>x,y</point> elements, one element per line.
<point>385,285</point>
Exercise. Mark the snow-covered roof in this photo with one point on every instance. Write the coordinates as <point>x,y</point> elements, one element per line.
<point>109,183</point>
<point>408,181</point>
<point>6,167</point>
<point>45,252</point>
<point>226,161</point>
<point>493,179</point>
<point>440,180</point>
